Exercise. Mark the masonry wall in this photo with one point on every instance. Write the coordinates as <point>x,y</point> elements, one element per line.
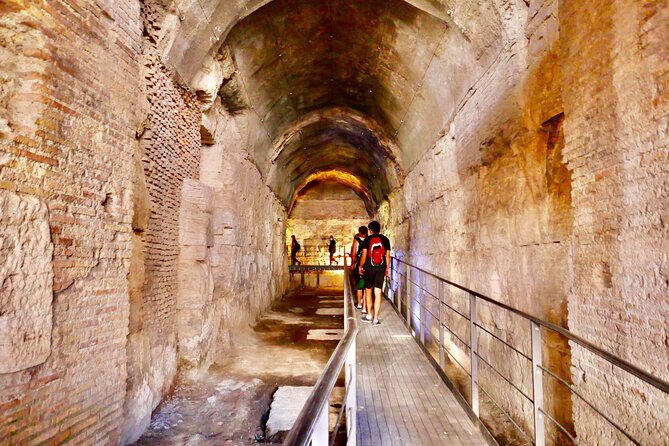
<point>168,154</point>
<point>547,193</point>
<point>248,260</point>
<point>67,138</point>
<point>489,207</point>
<point>322,210</point>
<point>616,96</point>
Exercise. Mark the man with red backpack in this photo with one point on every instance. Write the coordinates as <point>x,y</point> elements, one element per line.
<point>374,268</point>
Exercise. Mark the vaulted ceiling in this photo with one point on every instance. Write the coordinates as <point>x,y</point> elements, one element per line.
<point>362,88</point>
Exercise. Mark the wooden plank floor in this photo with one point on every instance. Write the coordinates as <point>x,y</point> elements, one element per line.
<point>401,398</point>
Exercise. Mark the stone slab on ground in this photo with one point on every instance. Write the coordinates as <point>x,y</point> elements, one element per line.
<point>286,406</point>
<point>325,334</point>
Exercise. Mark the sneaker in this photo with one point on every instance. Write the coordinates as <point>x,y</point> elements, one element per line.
<point>366,318</point>
<point>376,323</point>
<point>359,307</point>
<point>364,311</point>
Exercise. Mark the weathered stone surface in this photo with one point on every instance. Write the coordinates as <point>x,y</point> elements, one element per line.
<point>69,107</point>
<point>197,319</point>
<point>521,148</point>
<point>207,82</point>
<point>321,210</point>
<point>195,224</point>
<point>286,406</point>
<point>26,282</point>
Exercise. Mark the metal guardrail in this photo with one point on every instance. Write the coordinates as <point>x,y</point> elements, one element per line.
<point>318,269</point>
<point>311,426</point>
<point>319,254</point>
<point>413,276</point>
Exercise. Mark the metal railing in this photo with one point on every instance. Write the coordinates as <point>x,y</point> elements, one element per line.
<point>319,254</point>
<point>312,426</point>
<point>405,278</point>
<point>312,269</point>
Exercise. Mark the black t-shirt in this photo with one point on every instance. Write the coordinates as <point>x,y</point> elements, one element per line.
<point>365,245</point>
<point>333,245</point>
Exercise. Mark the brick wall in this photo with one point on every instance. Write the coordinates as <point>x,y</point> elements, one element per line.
<point>616,95</point>
<point>548,192</point>
<point>489,207</point>
<point>68,86</point>
<point>169,153</point>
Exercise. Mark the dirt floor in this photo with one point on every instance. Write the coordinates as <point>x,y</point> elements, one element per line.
<point>230,404</point>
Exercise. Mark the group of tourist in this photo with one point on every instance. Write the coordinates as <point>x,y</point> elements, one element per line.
<point>370,260</point>
<point>295,248</point>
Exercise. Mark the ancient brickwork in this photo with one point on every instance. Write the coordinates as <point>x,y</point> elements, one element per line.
<point>26,282</point>
<point>67,133</point>
<point>248,257</point>
<point>490,206</point>
<point>323,210</point>
<point>169,153</point>
<point>617,143</point>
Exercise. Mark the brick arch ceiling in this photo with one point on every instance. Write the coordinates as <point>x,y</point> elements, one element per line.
<point>393,70</point>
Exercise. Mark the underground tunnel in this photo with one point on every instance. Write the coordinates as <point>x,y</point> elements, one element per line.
<point>156,156</point>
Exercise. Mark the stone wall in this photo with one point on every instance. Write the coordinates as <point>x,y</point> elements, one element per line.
<point>325,209</point>
<point>97,152</point>
<point>489,206</point>
<point>616,95</point>
<point>168,153</point>
<point>67,133</point>
<point>558,209</point>
<point>248,260</point>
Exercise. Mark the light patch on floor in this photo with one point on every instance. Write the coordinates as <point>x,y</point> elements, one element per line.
<point>287,319</point>
<point>325,334</point>
<point>231,385</point>
<point>331,301</point>
<point>330,311</point>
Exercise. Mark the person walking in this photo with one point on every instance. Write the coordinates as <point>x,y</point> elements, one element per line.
<point>294,249</point>
<point>374,263</point>
<point>332,248</point>
<point>356,253</point>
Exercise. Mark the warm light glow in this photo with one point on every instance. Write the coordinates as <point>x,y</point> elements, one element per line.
<point>336,176</point>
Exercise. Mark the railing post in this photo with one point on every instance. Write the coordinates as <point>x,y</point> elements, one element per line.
<point>391,281</point>
<point>538,384</point>
<point>352,399</point>
<point>473,342</point>
<point>409,300</point>
<point>302,271</point>
<point>422,310</point>
<point>440,293</point>
<point>320,436</point>
<point>318,278</point>
<point>399,288</point>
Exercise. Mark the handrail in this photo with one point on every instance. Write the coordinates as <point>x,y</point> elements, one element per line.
<point>316,406</point>
<point>615,360</point>
<point>408,292</point>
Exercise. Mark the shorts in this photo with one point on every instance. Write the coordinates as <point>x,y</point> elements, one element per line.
<point>358,280</point>
<point>374,277</point>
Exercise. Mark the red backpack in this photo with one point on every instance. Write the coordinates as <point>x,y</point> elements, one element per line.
<point>377,252</point>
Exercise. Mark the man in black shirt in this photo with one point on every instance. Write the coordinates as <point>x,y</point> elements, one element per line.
<point>294,249</point>
<point>374,268</point>
<point>332,248</point>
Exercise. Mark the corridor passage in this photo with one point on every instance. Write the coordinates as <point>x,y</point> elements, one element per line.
<point>401,398</point>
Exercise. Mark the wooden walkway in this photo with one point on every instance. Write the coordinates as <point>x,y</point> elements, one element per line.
<point>401,398</point>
